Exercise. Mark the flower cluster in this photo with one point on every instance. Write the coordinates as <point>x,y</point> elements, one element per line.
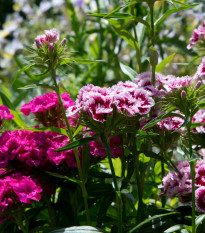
<point>5,114</point>
<point>197,36</point>
<point>100,103</point>
<point>36,149</point>
<point>50,37</point>
<point>181,186</point>
<point>47,109</point>
<point>16,189</point>
<point>199,117</point>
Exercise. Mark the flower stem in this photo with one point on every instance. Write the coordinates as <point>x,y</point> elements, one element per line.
<point>151,6</point>
<point>118,194</point>
<point>83,188</point>
<point>192,166</point>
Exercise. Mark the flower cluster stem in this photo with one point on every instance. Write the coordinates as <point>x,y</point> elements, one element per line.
<point>70,134</point>
<point>118,194</point>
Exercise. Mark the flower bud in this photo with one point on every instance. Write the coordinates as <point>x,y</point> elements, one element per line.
<point>183,94</point>
<point>63,42</point>
<point>198,85</point>
<point>37,43</point>
<point>51,47</point>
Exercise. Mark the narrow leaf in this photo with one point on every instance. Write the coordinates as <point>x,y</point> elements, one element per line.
<point>18,120</point>
<point>199,220</point>
<point>175,228</point>
<point>128,71</point>
<point>171,11</point>
<point>44,129</point>
<point>163,63</point>
<point>77,143</point>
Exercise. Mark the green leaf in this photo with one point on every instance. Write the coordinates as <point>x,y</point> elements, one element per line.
<point>17,119</point>
<point>175,228</point>
<point>77,143</point>
<point>81,229</point>
<point>6,101</point>
<point>171,11</point>
<point>73,18</point>
<point>123,33</point>
<point>143,158</point>
<point>140,29</point>
<point>80,61</point>
<point>80,127</point>
<point>128,71</point>
<point>31,86</point>
<point>163,63</point>
<point>64,177</point>
<point>128,194</point>
<point>149,221</point>
<point>199,220</point>
<point>112,15</point>
<point>44,129</point>
<point>153,56</point>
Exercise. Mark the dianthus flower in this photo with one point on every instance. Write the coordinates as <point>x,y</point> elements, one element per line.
<point>16,189</point>
<point>197,36</point>
<point>97,149</point>
<point>101,103</point>
<point>33,149</point>
<point>50,36</point>
<point>5,114</point>
<point>47,109</point>
<point>175,185</point>
<point>199,117</point>
<point>200,73</point>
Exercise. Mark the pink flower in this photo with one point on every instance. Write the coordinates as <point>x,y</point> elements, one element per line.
<point>170,123</point>
<point>199,117</point>
<point>47,109</point>
<point>5,114</point>
<point>197,35</point>
<point>50,37</point>
<point>200,73</point>
<point>200,200</point>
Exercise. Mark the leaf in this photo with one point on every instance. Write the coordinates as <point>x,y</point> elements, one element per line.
<point>199,220</point>
<point>128,194</point>
<point>44,129</point>
<point>78,60</point>
<point>112,15</point>
<point>153,56</point>
<point>128,71</point>
<point>73,18</point>
<point>163,63</point>
<point>175,228</point>
<point>149,220</point>
<point>140,29</point>
<point>6,101</point>
<point>18,120</point>
<point>77,143</point>
<point>81,229</point>
<point>123,33</point>
<point>80,127</point>
<point>37,85</point>
<point>64,177</point>
<point>171,11</point>
<point>143,158</point>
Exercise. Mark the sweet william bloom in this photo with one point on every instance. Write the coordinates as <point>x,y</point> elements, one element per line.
<point>5,114</point>
<point>199,117</point>
<point>47,109</point>
<point>26,189</point>
<point>197,35</point>
<point>200,201</point>
<point>200,73</point>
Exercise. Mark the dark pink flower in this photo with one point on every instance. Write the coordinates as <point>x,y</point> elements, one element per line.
<point>200,198</point>
<point>199,117</point>
<point>5,114</point>
<point>47,109</point>
<point>200,73</point>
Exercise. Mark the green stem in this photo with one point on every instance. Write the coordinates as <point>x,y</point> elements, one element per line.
<point>151,5</point>
<point>141,214</point>
<point>83,188</point>
<point>118,194</point>
<point>192,166</point>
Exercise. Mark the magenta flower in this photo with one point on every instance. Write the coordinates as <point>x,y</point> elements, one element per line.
<point>200,73</point>
<point>47,109</point>
<point>200,201</point>
<point>170,123</point>
<point>5,114</point>
<point>26,189</point>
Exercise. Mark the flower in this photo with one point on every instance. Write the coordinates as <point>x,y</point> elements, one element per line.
<point>47,109</point>
<point>197,36</point>
<point>5,114</point>
<point>200,73</point>
<point>199,117</point>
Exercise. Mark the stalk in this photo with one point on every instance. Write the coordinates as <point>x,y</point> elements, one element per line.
<point>140,211</point>
<point>83,188</point>
<point>151,5</point>
<point>192,166</point>
<point>118,194</point>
